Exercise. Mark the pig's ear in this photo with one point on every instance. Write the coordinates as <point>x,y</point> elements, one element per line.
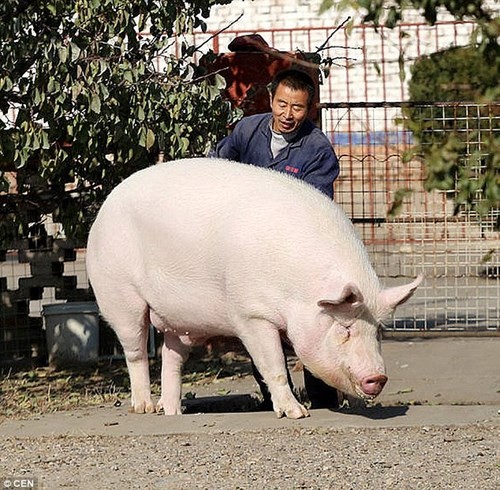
<point>347,301</point>
<point>391,298</point>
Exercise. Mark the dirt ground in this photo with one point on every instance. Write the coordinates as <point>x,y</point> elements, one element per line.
<point>427,457</point>
<point>436,426</point>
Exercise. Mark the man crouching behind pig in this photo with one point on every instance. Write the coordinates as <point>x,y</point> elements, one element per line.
<point>217,248</point>
<point>286,140</point>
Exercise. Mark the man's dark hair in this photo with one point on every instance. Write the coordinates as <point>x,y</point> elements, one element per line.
<point>296,80</point>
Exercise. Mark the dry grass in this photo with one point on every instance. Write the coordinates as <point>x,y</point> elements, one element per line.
<point>29,392</point>
<point>44,389</point>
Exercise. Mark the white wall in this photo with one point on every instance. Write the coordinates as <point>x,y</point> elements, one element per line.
<point>368,68</point>
<point>278,14</point>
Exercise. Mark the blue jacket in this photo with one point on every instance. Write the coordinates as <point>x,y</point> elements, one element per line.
<point>309,157</point>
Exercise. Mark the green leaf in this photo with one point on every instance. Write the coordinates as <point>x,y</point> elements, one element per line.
<point>75,51</point>
<point>4,183</point>
<point>127,76</point>
<point>150,139</point>
<point>76,90</point>
<point>51,85</point>
<point>51,7</point>
<point>45,140</point>
<point>325,5</point>
<point>62,51</point>
<point>140,113</point>
<point>95,103</point>
<point>6,84</point>
<point>401,63</point>
<point>392,18</point>
<point>104,91</point>
<point>220,82</point>
<point>398,201</point>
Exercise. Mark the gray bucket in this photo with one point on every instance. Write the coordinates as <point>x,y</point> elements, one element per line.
<point>72,332</point>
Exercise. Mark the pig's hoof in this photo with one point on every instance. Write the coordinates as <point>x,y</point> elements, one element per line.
<point>142,407</point>
<point>169,409</point>
<point>296,412</point>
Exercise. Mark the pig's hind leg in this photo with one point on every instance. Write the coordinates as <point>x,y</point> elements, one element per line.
<point>263,343</point>
<point>130,321</point>
<point>174,354</point>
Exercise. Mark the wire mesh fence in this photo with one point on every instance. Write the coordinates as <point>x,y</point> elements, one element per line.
<point>457,252</point>
<point>409,230</point>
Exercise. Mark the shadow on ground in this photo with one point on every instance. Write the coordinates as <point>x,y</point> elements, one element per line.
<point>251,403</point>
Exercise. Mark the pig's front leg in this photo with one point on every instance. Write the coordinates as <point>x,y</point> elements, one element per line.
<point>174,354</point>
<point>262,340</point>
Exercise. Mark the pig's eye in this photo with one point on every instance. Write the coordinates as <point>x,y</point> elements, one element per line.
<point>344,330</point>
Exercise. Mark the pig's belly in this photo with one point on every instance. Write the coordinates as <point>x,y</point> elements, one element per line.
<point>187,308</point>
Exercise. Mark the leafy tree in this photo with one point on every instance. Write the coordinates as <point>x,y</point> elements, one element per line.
<point>455,74</point>
<point>83,103</point>
<point>460,148</point>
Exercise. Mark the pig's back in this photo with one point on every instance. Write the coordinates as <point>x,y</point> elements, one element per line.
<point>196,218</point>
<point>191,191</point>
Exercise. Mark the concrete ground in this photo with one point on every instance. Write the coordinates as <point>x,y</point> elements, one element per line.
<point>445,381</point>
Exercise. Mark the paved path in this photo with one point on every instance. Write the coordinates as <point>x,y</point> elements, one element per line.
<point>450,381</point>
<point>110,421</point>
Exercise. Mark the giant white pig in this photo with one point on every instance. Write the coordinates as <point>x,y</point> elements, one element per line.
<point>205,247</point>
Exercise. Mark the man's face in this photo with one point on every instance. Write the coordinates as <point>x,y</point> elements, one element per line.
<point>289,108</point>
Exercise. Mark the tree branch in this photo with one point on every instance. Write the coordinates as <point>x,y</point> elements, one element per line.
<point>323,46</point>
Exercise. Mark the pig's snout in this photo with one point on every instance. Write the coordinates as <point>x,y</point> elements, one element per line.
<point>373,385</point>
